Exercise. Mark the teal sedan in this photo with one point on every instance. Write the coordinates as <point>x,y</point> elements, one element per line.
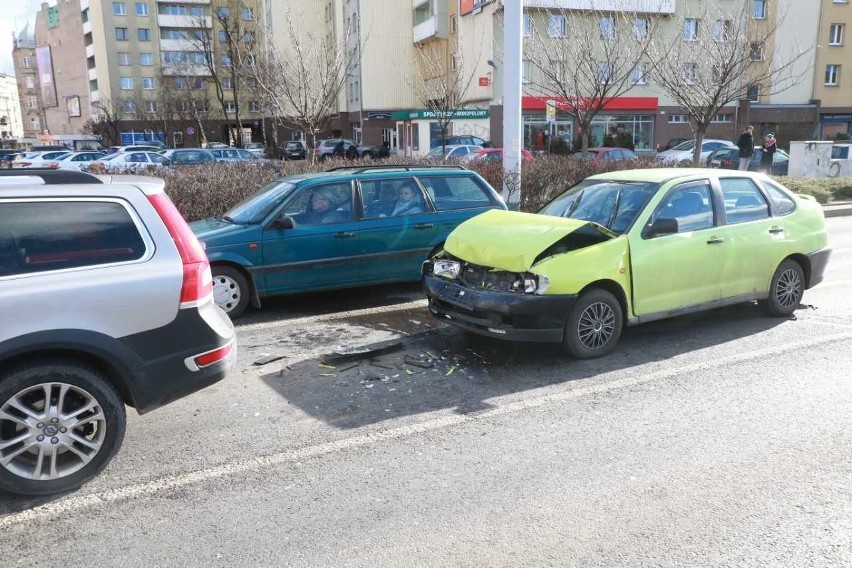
<point>337,229</point>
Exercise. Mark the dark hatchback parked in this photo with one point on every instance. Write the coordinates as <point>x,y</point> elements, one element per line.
<point>293,150</point>
<point>729,159</point>
<point>344,228</point>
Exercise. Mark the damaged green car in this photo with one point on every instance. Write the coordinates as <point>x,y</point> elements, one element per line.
<point>625,248</point>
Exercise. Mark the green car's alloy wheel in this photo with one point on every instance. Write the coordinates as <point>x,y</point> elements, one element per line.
<point>785,290</point>
<point>230,290</point>
<point>60,424</point>
<point>594,325</point>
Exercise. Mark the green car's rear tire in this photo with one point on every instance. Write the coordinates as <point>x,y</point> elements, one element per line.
<point>785,290</point>
<point>594,325</point>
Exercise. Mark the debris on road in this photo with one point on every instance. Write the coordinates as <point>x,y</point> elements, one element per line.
<point>268,359</point>
<point>341,356</point>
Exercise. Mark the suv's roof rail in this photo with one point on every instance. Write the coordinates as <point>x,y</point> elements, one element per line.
<point>51,176</point>
<point>403,167</point>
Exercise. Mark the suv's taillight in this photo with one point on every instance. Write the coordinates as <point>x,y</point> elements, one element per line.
<point>197,278</point>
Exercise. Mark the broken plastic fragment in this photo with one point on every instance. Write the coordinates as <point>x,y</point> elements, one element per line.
<point>450,372</point>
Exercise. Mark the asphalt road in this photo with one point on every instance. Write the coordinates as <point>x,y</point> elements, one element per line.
<point>721,439</point>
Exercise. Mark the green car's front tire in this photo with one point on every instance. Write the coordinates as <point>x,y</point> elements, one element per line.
<point>594,325</point>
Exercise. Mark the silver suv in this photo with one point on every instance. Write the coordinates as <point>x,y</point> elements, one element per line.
<point>107,300</point>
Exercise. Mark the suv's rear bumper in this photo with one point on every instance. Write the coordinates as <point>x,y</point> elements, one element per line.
<point>165,375</point>
<point>504,315</point>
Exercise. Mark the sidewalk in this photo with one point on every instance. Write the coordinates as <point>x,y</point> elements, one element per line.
<point>837,208</point>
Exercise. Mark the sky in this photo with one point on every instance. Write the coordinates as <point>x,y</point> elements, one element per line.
<point>13,16</point>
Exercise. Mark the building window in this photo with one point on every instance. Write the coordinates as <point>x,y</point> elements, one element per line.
<point>223,13</point>
<point>640,28</point>
<point>716,74</point>
<point>605,72</point>
<point>144,34</point>
<point>453,28</point>
<point>254,106</point>
<point>248,14</point>
<point>151,106</point>
<point>230,106</point>
<point>637,75</point>
<point>248,38</point>
<point>34,124</point>
<point>721,29</point>
<point>756,50</point>
<point>128,107</point>
<point>171,10</point>
<point>26,62</point>
<point>835,34</point>
<point>758,9</point>
<point>250,84</point>
<point>526,70</point>
<point>223,36</point>
<point>32,103</point>
<point>147,83</point>
<point>528,25</point>
<point>690,29</point>
<point>127,83</point>
<point>119,9</point>
<point>832,75</point>
<point>227,83</point>
<point>723,118</point>
<point>180,83</point>
<point>225,60</point>
<point>199,83</point>
<point>201,106</point>
<point>557,25</point>
<point>678,119</point>
<point>29,81</point>
<point>124,58</point>
<point>196,11</point>
<point>753,93</point>
<point>607,28</point>
<point>146,59</point>
<point>141,8</point>
<point>689,73</point>
<point>121,34</point>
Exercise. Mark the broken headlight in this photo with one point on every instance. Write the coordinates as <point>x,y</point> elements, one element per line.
<point>449,269</point>
<point>530,284</point>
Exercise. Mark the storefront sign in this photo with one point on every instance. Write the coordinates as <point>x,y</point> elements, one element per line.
<point>618,103</point>
<point>468,6</point>
<point>483,81</point>
<point>426,114</point>
<point>44,63</point>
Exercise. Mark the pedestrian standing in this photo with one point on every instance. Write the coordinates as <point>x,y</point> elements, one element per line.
<point>769,147</point>
<point>746,146</point>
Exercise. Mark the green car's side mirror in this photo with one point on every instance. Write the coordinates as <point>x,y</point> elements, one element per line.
<point>281,223</point>
<point>663,226</point>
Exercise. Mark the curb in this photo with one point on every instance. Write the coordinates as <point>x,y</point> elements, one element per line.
<point>838,209</point>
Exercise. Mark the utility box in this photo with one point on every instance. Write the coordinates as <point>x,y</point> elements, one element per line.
<point>810,158</point>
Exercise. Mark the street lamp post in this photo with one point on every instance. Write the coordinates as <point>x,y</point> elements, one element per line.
<point>512,49</point>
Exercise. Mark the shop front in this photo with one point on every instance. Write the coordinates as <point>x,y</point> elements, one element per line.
<point>417,131</point>
<point>628,121</point>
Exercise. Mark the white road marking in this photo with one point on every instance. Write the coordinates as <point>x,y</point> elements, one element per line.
<point>75,504</point>
<point>334,316</point>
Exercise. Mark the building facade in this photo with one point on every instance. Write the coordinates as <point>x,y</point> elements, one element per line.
<point>832,74</point>
<point>29,95</point>
<point>11,127</point>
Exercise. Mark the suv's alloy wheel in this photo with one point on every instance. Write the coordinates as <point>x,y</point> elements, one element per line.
<point>60,424</point>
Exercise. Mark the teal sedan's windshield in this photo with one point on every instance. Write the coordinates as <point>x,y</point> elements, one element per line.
<point>256,207</point>
<point>611,204</point>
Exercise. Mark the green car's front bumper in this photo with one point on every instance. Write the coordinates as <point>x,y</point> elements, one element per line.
<point>504,315</point>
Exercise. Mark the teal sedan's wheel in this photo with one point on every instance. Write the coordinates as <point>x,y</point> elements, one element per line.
<point>230,290</point>
<point>594,325</point>
<point>785,290</point>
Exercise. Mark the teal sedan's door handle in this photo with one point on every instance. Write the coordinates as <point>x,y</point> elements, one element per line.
<point>424,226</point>
<point>776,230</point>
<point>344,235</point>
<point>716,241</point>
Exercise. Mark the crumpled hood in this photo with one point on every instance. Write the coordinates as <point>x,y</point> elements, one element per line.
<point>509,240</point>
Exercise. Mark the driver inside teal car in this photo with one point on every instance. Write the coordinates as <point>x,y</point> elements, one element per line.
<point>321,210</point>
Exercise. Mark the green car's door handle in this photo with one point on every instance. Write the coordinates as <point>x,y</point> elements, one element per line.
<point>775,230</point>
<point>716,241</point>
<point>344,235</point>
<point>423,226</point>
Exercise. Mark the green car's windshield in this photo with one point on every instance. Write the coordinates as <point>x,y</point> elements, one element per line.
<point>611,204</point>
<point>255,207</point>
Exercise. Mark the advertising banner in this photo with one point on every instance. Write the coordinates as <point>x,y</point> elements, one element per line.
<point>44,64</point>
<point>468,6</point>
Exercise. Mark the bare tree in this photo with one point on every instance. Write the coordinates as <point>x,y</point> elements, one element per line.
<point>586,59</point>
<point>301,83</point>
<point>441,82</point>
<point>721,57</point>
<point>106,122</point>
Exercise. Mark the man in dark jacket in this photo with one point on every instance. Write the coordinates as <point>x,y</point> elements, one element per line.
<point>746,146</point>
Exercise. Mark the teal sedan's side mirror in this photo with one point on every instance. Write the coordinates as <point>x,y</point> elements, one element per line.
<point>663,226</point>
<point>281,223</point>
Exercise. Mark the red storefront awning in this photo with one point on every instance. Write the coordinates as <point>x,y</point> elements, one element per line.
<point>618,103</point>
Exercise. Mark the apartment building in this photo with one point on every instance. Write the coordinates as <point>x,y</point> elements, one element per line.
<point>833,69</point>
<point>11,127</point>
<point>29,95</point>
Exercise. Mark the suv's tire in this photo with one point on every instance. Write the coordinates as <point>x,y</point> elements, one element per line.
<point>593,326</point>
<point>231,290</point>
<point>785,290</point>
<point>367,155</point>
<point>101,428</point>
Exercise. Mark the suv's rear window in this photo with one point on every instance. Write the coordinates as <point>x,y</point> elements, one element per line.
<point>53,235</point>
<point>456,192</point>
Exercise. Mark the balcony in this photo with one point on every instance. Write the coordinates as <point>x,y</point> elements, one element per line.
<point>169,21</point>
<point>186,70</point>
<point>90,51</point>
<point>93,74</point>
<point>84,5</point>
<point>426,30</point>
<point>177,45</point>
<point>87,28</point>
<point>639,6</point>
<point>205,2</point>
